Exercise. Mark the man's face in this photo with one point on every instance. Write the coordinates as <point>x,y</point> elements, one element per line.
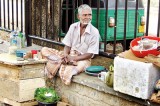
<point>85,17</point>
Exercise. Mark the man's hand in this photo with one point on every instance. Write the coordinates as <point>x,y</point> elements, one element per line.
<point>64,60</point>
<point>69,60</point>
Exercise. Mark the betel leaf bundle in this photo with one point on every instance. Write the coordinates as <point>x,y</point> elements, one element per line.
<point>46,95</point>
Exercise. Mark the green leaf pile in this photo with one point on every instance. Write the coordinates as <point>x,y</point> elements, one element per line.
<point>46,95</point>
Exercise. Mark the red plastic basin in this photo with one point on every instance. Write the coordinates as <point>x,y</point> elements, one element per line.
<point>142,53</point>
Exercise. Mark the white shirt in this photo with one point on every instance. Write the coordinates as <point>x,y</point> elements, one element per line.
<point>89,42</point>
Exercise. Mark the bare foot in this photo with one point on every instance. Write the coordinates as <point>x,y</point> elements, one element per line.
<point>68,75</point>
<point>45,51</point>
<point>52,68</point>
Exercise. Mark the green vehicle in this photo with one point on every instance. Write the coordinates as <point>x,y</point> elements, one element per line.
<point>130,27</point>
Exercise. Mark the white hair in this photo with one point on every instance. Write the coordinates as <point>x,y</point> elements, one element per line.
<point>84,7</point>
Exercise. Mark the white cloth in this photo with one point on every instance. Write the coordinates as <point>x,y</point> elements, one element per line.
<point>89,42</point>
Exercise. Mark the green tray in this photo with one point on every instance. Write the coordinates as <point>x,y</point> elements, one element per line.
<point>95,69</point>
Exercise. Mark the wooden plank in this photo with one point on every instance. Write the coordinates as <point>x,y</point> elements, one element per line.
<point>14,103</point>
<point>28,103</point>
<point>22,90</point>
<point>63,104</point>
<point>13,72</point>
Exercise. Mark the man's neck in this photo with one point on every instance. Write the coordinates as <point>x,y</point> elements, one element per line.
<point>83,26</point>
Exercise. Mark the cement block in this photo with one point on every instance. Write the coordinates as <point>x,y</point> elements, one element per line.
<point>82,95</point>
<point>20,91</point>
<point>135,78</point>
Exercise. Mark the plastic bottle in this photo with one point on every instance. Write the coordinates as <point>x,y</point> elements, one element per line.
<point>13,42</point>
<point>24,41</point>
<point>19,39</point>
<point>11,38</point>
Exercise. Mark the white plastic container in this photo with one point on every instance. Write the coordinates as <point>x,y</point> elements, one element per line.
<point>135,78</point>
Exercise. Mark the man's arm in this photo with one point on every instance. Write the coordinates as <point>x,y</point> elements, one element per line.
<point>67,50</point>
<point>80,57</point>
<point>66,54</point>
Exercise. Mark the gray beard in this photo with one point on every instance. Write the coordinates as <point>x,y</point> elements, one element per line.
<point>84,23</point>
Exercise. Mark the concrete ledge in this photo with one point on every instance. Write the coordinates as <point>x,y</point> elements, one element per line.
<point>88,90</point>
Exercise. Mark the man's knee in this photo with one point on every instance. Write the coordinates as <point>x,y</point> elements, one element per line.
<point>45,51</point>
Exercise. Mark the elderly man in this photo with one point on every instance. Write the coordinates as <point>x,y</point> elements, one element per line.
<point>81,44</point>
